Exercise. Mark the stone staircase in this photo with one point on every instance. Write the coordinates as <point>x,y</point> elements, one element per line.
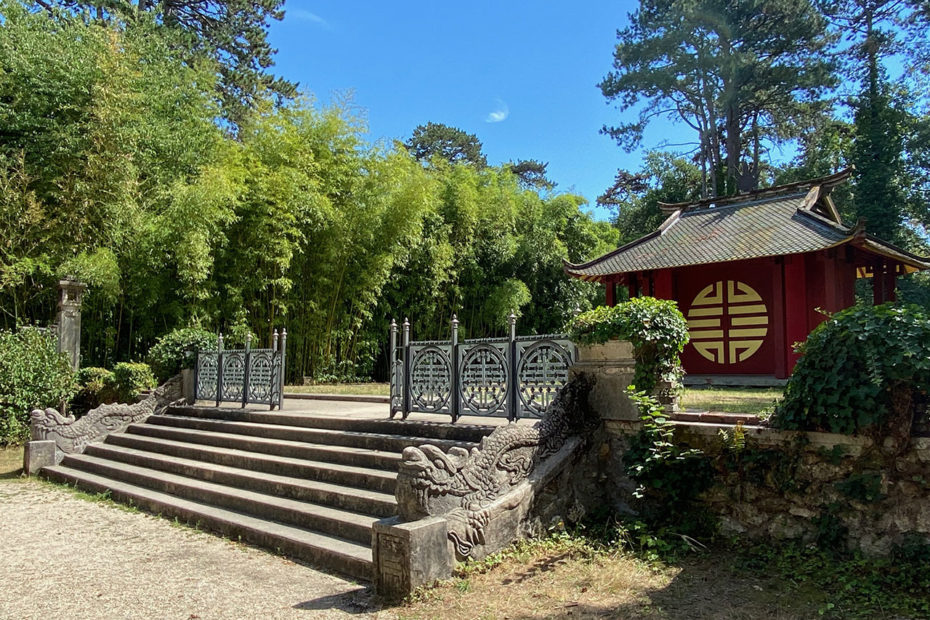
<point>306,486</point>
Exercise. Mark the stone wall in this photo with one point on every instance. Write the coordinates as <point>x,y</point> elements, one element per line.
<point>796,485</point>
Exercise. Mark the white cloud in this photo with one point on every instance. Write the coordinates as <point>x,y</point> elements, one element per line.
<point>500,113</point>
<point>307,16</point>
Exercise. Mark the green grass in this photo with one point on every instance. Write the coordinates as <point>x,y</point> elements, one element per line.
<point>752,401</point>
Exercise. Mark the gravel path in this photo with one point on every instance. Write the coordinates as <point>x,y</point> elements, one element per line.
<point>66,557</point>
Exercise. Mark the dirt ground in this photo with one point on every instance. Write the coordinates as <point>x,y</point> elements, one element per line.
<point>67,555</point>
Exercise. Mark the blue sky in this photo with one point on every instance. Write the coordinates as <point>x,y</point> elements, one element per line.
<point>521,76</point>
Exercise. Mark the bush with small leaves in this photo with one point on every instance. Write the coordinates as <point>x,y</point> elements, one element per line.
<point>96,388</point>
<point>178,350</point>
<point>131,379</point>
<point>33,375</point>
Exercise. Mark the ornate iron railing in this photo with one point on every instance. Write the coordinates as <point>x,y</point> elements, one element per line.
<point>486,376</point>
<point>242,375</point>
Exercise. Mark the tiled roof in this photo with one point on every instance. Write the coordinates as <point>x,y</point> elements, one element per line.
<point>766,227</point>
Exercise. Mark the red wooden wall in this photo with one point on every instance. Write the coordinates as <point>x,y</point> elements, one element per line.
<point>746,316</point>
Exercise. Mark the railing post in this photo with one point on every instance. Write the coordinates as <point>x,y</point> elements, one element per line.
<point>283,362</point>
<point>196,378</point>
<point>455,400</point>
<point>392,363</point>
<point>514,413</point>
<point>275,363</point>
<point>219,369</point>
<point>406,344</point>
<point>245,371</point>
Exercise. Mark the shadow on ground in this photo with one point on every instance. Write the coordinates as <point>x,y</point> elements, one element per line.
<point>360,601</point>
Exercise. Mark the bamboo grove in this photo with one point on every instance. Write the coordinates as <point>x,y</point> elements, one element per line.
<point>118,166</point>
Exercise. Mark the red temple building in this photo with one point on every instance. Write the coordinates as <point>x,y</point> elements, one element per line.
<point>753,274</point>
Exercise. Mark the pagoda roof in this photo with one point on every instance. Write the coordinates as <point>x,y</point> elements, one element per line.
<point>789,219</point>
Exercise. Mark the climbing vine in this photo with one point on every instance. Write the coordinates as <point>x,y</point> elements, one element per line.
<point>655,327</point>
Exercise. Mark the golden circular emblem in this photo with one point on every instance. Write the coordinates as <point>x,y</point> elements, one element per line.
<point>728,322</point>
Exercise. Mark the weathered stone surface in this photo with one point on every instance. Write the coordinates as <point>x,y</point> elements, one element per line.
<point>409,554</point>
<point>71,436</point>
<point>70,294</point>
<point>484,494</point>
<point>38,454</point>
<point>612,366</point>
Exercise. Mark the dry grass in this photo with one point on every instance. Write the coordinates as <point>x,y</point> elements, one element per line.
<point>731,400</point>
<point>364,389</point>
<point>11,462</point>
<point>553,583</point>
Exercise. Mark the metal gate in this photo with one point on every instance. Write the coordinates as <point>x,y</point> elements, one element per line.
<point>242,375</point>
<point>486,376</point>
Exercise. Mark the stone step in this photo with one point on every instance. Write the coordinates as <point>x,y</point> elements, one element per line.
<point>407,428</point>
<point>369,441</point>
<point>336,473</point>
<point>345,455</point>
<point>314,516</point>
<point>344,556</point>
<point>364,501</point>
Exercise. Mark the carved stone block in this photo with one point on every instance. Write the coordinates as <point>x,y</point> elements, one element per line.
<point>38,454</point>
<point>409,554</point>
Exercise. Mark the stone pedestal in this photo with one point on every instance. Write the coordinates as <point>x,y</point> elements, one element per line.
<point>188,387</point>
<point>409,554</point>
<point>612,365</point>
<point>38,454</point>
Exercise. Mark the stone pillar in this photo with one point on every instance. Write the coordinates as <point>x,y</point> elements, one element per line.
<point>409,554</point>
<point>612,366</point>
<point>71,293</point>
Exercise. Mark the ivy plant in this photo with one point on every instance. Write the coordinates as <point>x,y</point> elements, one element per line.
<point>655,327</point>
<point>857,369</point>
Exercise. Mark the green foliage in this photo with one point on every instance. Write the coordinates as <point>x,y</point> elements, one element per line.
<point>177,350</point>
<point>663,177</point>
<point>655,327</point>
<point>96,388</point>
<point>736,73</point>
<point>863,486</point>
<point>231,33</point>
<point>130,379</point>
<point>856,368</point>
<point>113,167</point>
<point>852,585</point>
<point>33,375</point>
<point>435,140</point>
<point>669,473</point>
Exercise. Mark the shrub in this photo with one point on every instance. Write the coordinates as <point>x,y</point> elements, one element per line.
<point>96,388</point>
<point>177,350</point>
<point>100,386</point>
<point>857,369</point>
<point>655,327</point>
<point>130,379</point>
<point>33,375</point>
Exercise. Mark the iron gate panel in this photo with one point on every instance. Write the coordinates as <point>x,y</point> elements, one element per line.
<point>484,372</point>
<point>207,375</point>
<point>430,383</point>
<point>232,386</point>
<point>489,376</point>
<point>542,370</point>
<point>242,375</point>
